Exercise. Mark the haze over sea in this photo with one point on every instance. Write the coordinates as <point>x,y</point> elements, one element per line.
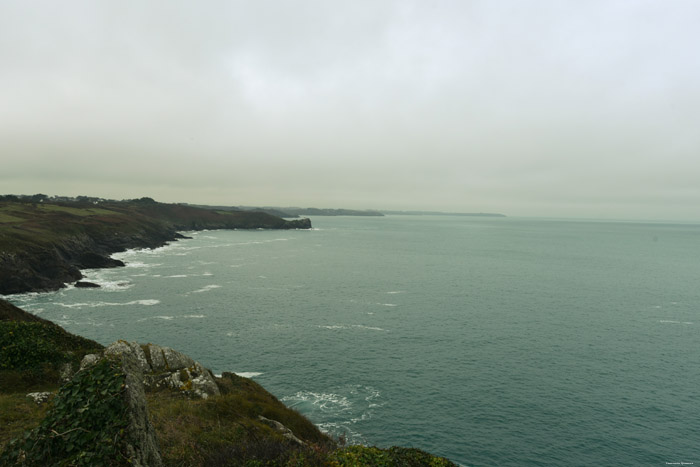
<point>492,341</point>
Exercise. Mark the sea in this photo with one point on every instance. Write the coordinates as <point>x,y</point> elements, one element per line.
<point>490,341</point>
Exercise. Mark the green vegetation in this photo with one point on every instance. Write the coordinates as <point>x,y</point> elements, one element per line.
<point>84,426</point>
<point>18,413</point>
<point>26,345</point>
<point>44,243</point>
<point>75,211</point>
<point>395,456</point>
<point>225,430</point>
<point>34,351</point>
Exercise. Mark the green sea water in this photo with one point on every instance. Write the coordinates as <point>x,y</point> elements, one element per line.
<point>492,341</point>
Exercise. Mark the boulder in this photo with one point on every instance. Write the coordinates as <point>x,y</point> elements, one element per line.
<point>86,285</point>
<point>162,368</point>
<point>175,370</point>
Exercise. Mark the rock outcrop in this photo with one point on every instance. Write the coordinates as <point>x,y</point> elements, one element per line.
<point>162,368</point>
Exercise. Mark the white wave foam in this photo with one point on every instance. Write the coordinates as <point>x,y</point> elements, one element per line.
<point>176,276</point>
<point>163,317</point>
<point>150,302</point>
<point>326,402</point>
<point>248,374</point>
<point>388,304</point>
<point>206,288</point>
<point>394,292</point>
<point>671,321</point>
<point>141,265</point>
<point>371,328</point>
<point>351,326</point>
<point>108,285</point>
<point>194,316</point>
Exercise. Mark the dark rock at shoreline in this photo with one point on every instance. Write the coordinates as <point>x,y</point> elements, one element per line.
<point>92,260</point>
<point>87,285</point>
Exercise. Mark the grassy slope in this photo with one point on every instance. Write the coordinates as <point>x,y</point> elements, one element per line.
<point>24,225</point>
<point>43,246</point>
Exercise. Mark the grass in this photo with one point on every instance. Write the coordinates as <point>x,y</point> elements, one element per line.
<point>216,430</point>
<point>8,219</point>
<point>18,413</point>
<point>32,351</point>
<point>81,212</point>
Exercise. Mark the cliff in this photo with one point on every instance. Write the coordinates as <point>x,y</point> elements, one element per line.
<point>148,405</point>
<point>43,245</point>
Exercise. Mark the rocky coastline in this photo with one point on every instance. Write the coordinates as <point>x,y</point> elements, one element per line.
<point>43,246</point>
<point>68,400</point>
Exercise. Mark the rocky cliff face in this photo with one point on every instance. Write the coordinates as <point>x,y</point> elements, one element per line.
<point>44,247</point>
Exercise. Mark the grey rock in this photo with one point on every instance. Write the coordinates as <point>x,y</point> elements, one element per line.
<point>175,360</point>
<point>66,372</point>
<point>39,397</point>
<point>174,370</point>
<point>280,428</point>
<point>143,451</point>
<point>133,350</point>
<point>157,357</point>
<point>89,360</point>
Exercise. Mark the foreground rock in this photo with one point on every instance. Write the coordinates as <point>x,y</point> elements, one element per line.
<point>163,368</point>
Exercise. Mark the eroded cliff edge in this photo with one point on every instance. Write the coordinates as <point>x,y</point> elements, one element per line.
<point>44,245</point>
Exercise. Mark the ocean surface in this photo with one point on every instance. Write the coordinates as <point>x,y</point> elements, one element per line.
<point>492,341</point>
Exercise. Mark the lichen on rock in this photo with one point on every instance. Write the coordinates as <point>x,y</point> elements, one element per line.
<point>164,368</point>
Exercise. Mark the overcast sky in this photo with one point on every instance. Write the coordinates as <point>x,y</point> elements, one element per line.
<point>525,107</point>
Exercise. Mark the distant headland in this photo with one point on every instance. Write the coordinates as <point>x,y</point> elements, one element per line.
<point>292,212</point>
<point>44,242</point>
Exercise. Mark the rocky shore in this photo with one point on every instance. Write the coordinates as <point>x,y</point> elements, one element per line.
<point>43,246</point>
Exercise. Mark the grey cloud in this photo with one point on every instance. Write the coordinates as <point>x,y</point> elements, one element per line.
<point>528,108</point>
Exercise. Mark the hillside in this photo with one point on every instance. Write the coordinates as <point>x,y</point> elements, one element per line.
<point>44,244</point>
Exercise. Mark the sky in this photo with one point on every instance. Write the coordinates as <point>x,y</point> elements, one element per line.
<point>553,108</point>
